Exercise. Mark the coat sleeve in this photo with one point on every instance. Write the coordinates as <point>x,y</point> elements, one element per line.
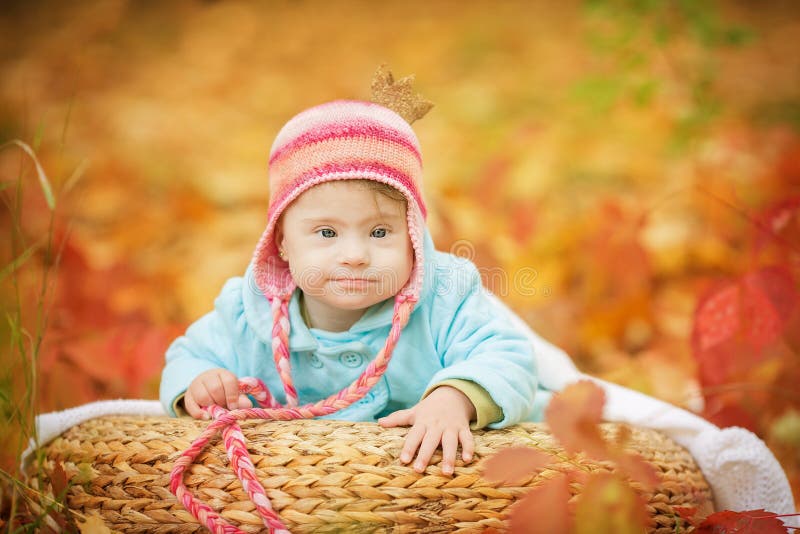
<point>209,343</point>
<point>476,341</point>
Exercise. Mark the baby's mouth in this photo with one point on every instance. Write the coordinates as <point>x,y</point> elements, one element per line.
<point>356,283</point>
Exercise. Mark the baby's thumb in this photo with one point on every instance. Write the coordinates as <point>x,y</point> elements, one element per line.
<point>398,418</point>
<point>244,402</point>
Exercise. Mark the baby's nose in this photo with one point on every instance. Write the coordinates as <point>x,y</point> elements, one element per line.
<point>354,252</point>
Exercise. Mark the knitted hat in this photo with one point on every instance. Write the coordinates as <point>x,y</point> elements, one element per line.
<point>341,140</point>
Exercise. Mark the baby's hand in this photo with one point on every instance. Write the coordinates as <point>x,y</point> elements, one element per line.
<point>217,386</point>
<point>441,417</point>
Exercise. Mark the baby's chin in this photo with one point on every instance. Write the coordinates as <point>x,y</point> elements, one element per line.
<point>353,301</point>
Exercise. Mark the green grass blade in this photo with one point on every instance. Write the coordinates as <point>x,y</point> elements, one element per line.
<point>14,265</point>
<point>45,183</point>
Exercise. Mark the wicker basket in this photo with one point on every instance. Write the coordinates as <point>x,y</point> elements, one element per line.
<point>327,476</point>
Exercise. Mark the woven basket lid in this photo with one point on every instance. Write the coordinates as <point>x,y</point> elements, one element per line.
<point>330,476</point>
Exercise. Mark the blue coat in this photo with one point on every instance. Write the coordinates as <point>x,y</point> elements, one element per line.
<point>455,332</point>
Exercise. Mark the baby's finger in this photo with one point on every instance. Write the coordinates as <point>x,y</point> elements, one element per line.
<point>426,449</point>
<point>214,391</point>
<point>449,448</point>
<point>467,444</point>
<point>230,385</point>
<point>192,408</point>
<point>398,418</point>
<point>413,438</point>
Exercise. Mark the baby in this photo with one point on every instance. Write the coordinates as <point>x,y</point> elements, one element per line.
<point>346,278</point>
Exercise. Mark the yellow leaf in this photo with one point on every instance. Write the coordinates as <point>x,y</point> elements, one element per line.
<point>93,525</point>
<point>608,504</point>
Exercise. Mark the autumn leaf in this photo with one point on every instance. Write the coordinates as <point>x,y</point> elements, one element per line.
<point>631,465</point>
<point>776,220</point>
<point>686,513</point>
<point>771,298</point>
<point>573,416</point>
<point>736,323</point>
<point>543,510</point>
<point>93,525</point>
<point>608,504</point>
<point>636,468</point>
<point>716,319</point>
<point>725,411</point>
<point>515,464</point>
<point>747,522</point>
<point>58,478</point>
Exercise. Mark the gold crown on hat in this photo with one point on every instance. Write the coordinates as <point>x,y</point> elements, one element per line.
<point>399,96</point>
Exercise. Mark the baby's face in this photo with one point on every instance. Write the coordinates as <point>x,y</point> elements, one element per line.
<point>347,245</point>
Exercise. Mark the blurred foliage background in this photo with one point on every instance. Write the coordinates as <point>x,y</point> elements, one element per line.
<point>626,173</point>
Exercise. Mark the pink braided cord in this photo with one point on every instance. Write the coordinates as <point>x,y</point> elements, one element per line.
<point>269,409</point>
<point>280,348</point>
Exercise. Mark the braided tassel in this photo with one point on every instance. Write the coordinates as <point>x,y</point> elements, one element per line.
<point>226,421</point>
<point>280,347</point>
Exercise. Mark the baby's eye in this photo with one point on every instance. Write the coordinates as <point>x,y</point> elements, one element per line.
<point>327,232</point>
<point>379,232</point>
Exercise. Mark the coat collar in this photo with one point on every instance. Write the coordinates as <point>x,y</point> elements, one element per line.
<point>258,314</point>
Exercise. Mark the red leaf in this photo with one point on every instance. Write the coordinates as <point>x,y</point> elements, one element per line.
<point>770,299</point>
<point>735,325</point>
<point>573,415</point>
<point>515,464</point>
<point>686,513</point>
<point>747,522</point>
<point>716,319</point>
<point>725,412</point>
<point>544,510</point>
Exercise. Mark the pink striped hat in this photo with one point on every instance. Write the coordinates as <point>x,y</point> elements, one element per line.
<point>340,140</point>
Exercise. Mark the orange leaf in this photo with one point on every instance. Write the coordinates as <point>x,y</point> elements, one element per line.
<point>608,504</point>
<point>58,478</point>
<point>636,468</point>
<point>514,465</point>
<point>776,220</point>
<point>573,415</point>
<point>544,510</point>
<point>747,522</point>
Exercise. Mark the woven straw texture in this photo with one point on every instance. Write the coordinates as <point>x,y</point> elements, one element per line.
<point>329,476</point>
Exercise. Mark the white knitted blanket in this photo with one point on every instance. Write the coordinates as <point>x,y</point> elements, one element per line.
<point>742,471</point>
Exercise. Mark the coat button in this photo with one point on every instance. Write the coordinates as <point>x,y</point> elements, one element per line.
<point>351,359</point>
<point>314,361</point>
